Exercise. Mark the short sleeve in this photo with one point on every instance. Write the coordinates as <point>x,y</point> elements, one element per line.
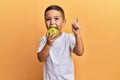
<point>42,43</point>
<point>72,42</point>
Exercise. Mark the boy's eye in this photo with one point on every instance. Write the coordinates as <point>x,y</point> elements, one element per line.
<point>47,19</point>
<point>56,18</point>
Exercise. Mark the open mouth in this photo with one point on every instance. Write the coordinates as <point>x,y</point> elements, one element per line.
<point>53,27</point>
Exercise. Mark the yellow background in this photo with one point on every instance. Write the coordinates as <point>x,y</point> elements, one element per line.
<point>22,25</point>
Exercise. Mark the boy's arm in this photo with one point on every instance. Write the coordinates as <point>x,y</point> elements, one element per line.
<point>42,55</point>
<point>79,47</point>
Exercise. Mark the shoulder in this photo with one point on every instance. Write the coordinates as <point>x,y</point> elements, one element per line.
<point>43,39</point>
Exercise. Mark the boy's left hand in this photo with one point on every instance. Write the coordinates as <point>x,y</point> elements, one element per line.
<point>76,27</point>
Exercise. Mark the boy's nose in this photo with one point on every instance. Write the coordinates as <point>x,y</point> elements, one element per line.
<point>52,22</point>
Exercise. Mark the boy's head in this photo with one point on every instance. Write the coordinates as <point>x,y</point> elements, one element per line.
<point>54,17</point>
<point>55,7</point>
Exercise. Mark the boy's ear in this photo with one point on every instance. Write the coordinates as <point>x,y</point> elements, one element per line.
<point>64,21</point>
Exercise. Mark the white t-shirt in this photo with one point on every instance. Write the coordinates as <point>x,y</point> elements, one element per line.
<point>59,64</point>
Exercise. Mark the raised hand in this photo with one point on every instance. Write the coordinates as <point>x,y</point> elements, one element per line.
<point>76,27</point>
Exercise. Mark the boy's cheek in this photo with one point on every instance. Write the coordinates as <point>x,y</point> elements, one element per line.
<point>47,26</point>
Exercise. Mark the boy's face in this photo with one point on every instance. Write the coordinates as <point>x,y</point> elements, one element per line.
<point>53,18</point>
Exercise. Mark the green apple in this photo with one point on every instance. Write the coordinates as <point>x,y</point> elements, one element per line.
<point>54,31</point>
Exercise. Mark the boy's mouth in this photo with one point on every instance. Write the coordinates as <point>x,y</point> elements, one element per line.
<point>53,27</point>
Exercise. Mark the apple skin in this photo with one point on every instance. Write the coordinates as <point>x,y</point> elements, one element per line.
<point>54,31</point>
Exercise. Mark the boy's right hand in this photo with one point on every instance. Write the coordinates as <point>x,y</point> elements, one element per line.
<point>50,38</point>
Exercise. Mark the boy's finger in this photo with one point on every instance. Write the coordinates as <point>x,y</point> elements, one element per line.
<point>77,20</point>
